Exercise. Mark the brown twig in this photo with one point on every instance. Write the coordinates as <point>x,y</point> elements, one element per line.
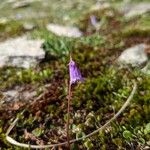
<point>14,142</point>
<point>68,116</point>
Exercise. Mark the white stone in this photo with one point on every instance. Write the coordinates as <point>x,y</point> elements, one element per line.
<point>131,9</point>
<point>134,56</point>
<point>20,4</point>
<point>67,31</point>
<point>28,26</point>
<point>11,93</point>
<point>3,21</point>
<point>16,95</point>
<point>21,52</point>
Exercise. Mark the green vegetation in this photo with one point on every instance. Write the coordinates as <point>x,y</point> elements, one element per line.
<point>94,102</point>
<point>97,99</point>
<point>12,76</point>
<point>141,28</point>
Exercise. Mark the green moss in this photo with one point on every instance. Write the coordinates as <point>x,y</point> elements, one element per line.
<point>12,76</point>
<point>94,101</point>
<point>141,27</point>
<point>10,29</point>
<point>108,93</point>
<point>57,46</point>
<point>136,31</point>
<point>99,98</point>
<point>61,46</point>
<point>94,40</point>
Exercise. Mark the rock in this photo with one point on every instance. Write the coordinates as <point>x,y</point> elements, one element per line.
<point>17,95</point>
<point>21,52</point>
<point>11,93</point>
<point>28,26</point>
<point>11,1</point>
<point>9,96</point>
<point>21,4</point>
<point>3,21</point>
<point>131,10</point>
<point>28,95</point>
<point>135,56</point>
<point>64,30</point>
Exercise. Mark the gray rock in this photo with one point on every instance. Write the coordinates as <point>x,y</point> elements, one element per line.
<point>135,56</point>
<point>10,1</point>
<point>28,26</point>
<point>131,9</point>
<point>9,96</point>
<point>16,95</point>
<point>21,4</point>
<point>21,52</point>
<point>3,21</point>
<point>11,93</point>
<point>64,30</point>
<point>27,95</point>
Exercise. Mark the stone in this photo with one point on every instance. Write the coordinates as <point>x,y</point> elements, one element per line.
<point>3,21</point>
<point>67,31</point>
<point>9,96</point>
<point>15,95</point>
<point>21,52</point>
<point>29,26</point>
<point>20,4</point>
<point>11,1</point>
<point>11,93</point>
<point>132,10</point>
<point>135,56</point>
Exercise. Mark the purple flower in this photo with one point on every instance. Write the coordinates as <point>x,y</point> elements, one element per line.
<point>75,74</point>
<point>93,20</point>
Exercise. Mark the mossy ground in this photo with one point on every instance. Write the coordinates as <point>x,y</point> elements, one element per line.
<point>96,100</point>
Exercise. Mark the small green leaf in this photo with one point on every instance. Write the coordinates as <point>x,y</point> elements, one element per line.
<point>37,132</point>
<point>74,146</point>
<point>88,144</point>
<point>1,130</point>
<point>142,141</point>
<point>80,134</point>
<point>127,134</point>
<point>147,129</point>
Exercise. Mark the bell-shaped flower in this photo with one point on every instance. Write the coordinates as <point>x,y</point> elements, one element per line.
<point>74,72</point>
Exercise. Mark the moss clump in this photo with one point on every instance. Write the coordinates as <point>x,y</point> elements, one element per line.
<point>11,29</point>
<point>136,31</point>
<point>107,94</point>
<point>94,103</point>
<point>57,46</point>
<point>13,76</point>
<point>139,28</point>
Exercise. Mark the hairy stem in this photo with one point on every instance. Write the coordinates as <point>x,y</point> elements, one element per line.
<point>68,116</point>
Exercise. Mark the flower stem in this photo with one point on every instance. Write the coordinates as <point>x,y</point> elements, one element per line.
<point>68,116</point>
